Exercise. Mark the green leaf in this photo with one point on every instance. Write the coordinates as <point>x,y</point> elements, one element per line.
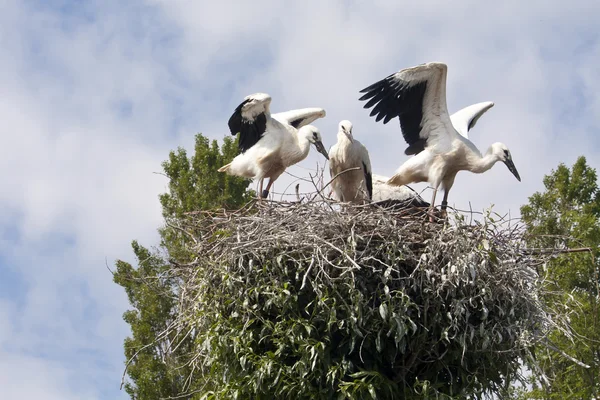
<point>486,244</point>
<point>383,311</point>
<point>378,343</point>
<point>372,391</point>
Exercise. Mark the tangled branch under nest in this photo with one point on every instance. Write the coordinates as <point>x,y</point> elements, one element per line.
<point>300,299</point>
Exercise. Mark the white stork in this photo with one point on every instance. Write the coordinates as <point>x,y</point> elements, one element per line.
<point>355,186</point>
<point>403,197</point>
<point>382,191</point>
<point>268,144</point>
<point>417,96</point>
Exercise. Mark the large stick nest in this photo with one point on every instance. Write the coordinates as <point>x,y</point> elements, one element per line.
<point>301,300</point>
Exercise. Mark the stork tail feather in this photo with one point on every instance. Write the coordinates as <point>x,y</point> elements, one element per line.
<point>224,168</point>
<point>397,180</point>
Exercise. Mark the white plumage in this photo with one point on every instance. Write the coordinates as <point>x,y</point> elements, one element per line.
<point>404,195</point>
<point>465,119</point>
<point>417,96</point>
<point>354,186</point>
<point>268,143</point>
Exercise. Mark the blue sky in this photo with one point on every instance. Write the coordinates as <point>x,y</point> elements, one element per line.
<point>94,94</point>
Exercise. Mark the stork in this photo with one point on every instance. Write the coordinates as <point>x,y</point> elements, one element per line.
<point>385,194</point>
<point>417,96</point>
<point>354,186</point>
<point>268,144</point>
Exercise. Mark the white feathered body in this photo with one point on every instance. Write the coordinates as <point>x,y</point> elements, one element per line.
<point>280,147</point>
<point>350,186</point>
<point>268,144</point>
<point>440,164</point>
<point>383,191</point>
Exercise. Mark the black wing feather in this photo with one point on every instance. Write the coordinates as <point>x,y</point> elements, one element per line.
<point>250,130</point>
<point>472,123</point>
<point>296,123</point>
<point>369,181</point>
<point>474,120</point>
<point>392,97</point>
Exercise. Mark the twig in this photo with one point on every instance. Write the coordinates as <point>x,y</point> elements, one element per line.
<point>558,251</point>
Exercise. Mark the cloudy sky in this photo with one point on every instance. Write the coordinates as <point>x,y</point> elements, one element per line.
<point>94,94</point>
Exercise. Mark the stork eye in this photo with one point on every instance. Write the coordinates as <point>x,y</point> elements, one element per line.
<point>315,135</point>
<point>506,153</point>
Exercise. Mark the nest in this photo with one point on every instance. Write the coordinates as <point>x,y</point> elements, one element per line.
<point>302,300</point>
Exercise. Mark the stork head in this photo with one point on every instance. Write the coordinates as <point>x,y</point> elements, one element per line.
<point>345,128</point>
<point>257,99</point>
<point>312,134</point>
<point>501,151</point>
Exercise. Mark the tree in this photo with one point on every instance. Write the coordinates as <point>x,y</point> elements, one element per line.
<point>567,213</point>
<point>194,184</point>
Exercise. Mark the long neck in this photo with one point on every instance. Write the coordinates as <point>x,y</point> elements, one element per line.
<point>303,144</point>
<point>482,164</point>
<point>298,152</point>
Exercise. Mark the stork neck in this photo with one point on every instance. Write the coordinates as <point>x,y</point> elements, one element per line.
<point>484,163</point>
<point>303,143</point>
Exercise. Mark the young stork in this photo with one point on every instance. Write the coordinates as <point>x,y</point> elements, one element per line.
<point>355,186</point>
<point>268,144</point>
<point>417,96</point>
<point>386,194</point>
<point>384,191</point>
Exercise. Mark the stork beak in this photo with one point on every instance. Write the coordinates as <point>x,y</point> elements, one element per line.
<point>511,167</point>
<point>348,134</point>
<point>321,149</point>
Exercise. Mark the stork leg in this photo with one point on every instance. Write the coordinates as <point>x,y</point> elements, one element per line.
<point>260,189</point>
<point>445,204</point>
<point>432,206</point>
<point>447,185</point>
<point>265,193</point>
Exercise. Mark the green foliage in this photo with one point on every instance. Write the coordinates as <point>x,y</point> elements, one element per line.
<point>308,303</point>
<point>297,318</point>
<point>567,214</point>
<point>196,185</point>
<point>153,303</point>
<point>157,366</point>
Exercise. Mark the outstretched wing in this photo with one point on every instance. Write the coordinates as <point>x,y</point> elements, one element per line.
<point>250,120</point>
<point>464,120</point>
<point>299,118</point>
<point>417,96</point>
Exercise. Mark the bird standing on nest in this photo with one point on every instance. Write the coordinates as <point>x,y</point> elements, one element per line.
<point>417,96</point>
<point>268,143</point>
<point>355,186</point>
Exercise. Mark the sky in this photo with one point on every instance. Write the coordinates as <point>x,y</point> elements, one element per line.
<point>94,95</point>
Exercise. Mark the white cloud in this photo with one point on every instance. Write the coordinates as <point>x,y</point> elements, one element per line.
<point>94,99</point>
<point>42,380</point>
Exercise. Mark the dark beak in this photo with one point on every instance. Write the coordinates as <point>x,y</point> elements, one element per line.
<point>321,149</point>
<point>511,167</point>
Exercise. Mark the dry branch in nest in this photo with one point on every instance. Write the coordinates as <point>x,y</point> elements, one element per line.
<point>300,300</point>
